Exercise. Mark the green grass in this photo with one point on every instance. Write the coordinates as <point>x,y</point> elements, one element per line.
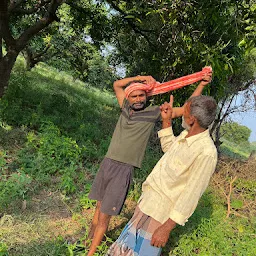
<point>233,150</point>
<point>54,132</point>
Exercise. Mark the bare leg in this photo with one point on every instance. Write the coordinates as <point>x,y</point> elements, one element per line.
<point>99,232</point>
<point>94,220</point>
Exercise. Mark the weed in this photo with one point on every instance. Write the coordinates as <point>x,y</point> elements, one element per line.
<point>3,249</point>
<point>14,186</point>
<point>85,202</point>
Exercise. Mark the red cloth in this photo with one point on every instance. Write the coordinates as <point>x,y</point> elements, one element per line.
<point>172,85</point>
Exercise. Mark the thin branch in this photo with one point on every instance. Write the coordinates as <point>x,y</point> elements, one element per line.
<point>239,215</point>
<point>247,84</point>
<point>40,54</point>
<point>31,10</point>
<point>135,28</point>
<point>217,120</point>
<point>229,196</point>
<point>228,107</point>
<point>14,4</point>
<point>124,14</point>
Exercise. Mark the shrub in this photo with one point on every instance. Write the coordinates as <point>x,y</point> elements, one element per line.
<point>13,186</point>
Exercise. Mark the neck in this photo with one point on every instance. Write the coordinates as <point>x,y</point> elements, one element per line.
<point>194,130</point>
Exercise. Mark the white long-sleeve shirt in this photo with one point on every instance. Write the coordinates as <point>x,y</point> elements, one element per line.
<point>180,177</point>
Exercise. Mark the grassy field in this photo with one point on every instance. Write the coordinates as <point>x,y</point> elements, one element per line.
<point>233,150</point>
<point>54,132</point>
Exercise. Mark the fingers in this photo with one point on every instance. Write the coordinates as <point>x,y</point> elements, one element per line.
<point>147,79</point>
<point>152,241</point>
<point>157,243</point>
<point>171,101</point>
<point>165,107</point>
<point>150,81</point>
<point>207,77</point>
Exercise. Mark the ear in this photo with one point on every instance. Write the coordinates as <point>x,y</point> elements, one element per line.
<point>191,120</point>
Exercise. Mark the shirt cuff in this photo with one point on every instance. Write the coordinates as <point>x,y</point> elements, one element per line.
<point>165,132</point>
<point>178,217</point>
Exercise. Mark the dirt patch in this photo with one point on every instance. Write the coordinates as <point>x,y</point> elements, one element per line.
<point>46,216</point>
<point>241,169</point>
<point>49,203</point>
<point>236,181</point>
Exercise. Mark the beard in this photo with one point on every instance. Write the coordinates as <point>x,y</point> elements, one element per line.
<point>185,125</point>
<point>138,106</point>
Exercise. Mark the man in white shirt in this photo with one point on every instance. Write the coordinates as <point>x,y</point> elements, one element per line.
<point>171,192</point>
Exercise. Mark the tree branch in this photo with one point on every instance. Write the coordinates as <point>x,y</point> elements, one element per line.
<point>48,18</point>
<point>14,4</point>
<point>247,85</point>
<point>33,58</point>
<point>4,25</point>
<point>33,9</point>
<point>40,54</point>
<point>135,28</point>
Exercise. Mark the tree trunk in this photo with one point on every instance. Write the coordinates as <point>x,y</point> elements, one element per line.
<point>6,65</point>
<point>215,134</point>
<point>32,58</point>
<point>9,9</point>
<point>29,59</point>
<point>217,141</point>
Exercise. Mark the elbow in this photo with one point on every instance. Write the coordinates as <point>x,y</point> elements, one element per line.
<point>164,149</point>
<point>115,85</point>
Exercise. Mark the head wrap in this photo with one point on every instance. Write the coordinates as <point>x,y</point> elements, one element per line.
<point>159,88</point>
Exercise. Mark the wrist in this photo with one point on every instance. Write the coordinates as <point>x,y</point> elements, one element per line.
<point>166,123</point>
<point>202,84</point>
<point>167,120</point>
<point>169,225</point>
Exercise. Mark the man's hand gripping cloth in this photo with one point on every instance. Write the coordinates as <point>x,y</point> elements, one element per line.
<point>159,88</point>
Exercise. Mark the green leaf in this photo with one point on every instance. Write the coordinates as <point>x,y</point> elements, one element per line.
<point>129,17</point>
<point>237,204</point>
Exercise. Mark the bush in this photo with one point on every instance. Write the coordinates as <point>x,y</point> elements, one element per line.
<point>13,187</point>
<point>3,249</point>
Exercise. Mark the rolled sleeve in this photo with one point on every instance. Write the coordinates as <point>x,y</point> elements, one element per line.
<point>165,132</point>
<point>166,138</point>
<point>178,217</point>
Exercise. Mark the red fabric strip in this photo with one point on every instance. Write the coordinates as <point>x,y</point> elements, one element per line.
<point>175,84</point>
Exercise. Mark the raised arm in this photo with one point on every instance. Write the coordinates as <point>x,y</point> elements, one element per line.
<point>177,112</point>
<point>119,85</point>
<point>166,135</point>
<point>167,113</point>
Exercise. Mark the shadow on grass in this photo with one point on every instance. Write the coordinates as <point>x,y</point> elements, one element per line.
<point>11,137</point>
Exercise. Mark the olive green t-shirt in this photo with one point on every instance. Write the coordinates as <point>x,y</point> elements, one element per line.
<point>131,135</point>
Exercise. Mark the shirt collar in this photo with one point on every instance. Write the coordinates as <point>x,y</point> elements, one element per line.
<point>190,140</point>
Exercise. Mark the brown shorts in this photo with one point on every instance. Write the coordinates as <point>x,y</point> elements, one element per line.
<point>111,185</point>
